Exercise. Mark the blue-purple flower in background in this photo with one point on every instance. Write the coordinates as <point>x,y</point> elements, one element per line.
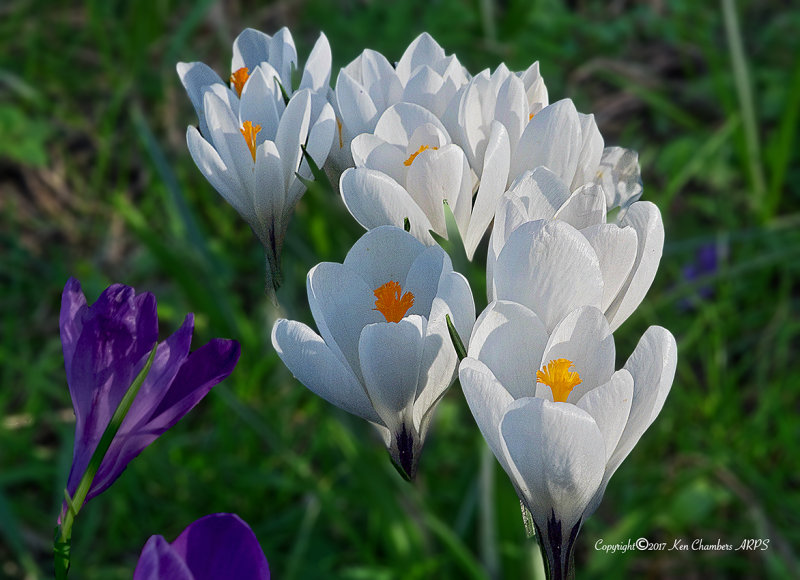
<point>106,345</point>
<point>215,546</point>
<point>705,263</point>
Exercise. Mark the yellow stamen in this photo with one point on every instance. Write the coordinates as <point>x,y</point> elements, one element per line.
<point>249,134</point>
<point>559,378</point>
<point>339,127</point>
<point>239,78</point>
<point>422,148</point>
<point>391,303</point>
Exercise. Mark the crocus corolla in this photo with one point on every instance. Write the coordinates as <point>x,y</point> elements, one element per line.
<point>624,254</point>
<point>249,142</point>
<point>213,547</point>
<point>105,346</point>
<point>383,351</point>
<point>554,412</point>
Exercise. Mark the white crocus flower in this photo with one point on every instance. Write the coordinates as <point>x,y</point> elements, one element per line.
<point>249,142</point>
<point>408,168</point>
<point>621,258</point>
<point>383,351</point>
<point>504,97</point>
<point>556,415</point>
<point>276,56</point>
<point>620,176</point>
<point>369,85</point>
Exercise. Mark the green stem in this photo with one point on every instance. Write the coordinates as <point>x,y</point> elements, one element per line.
<point>63,532</point>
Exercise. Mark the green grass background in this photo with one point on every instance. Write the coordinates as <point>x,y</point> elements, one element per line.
<point>96,182</point>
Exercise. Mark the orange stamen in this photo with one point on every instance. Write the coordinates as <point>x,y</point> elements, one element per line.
<point>239,78</point>
<point>422,148</point>
<point>339,127</point>
<point>559,378</point>
<point>249,134</point>
<point>391,302</point>
<point>531,116</point>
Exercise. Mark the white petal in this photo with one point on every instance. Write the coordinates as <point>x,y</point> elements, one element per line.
<point>471,124</point>
<point>542,192</point>
<point>433,177</point>
<point>270,194</point>
<point>645,218</point>
<point>283,56</point>
<point>195,76</point>
<point>219,176</point>
<point>590,154</point>
<point>620,176</point>
<point>422,88</point>
<point>493,181</point>
<point>424,50</point>
<point>390,355</point>
<point>311,361</point>
<point>549,267</point>
<point>610,405</point>
<point>552,139</point>
<point>358,111</point>
<point>557,457</point>
<point>616,250</point>
<point>439,362</point>
<point>398,123</point>
<point>342,304</point>
<point>317,72</point>
<point>374,153</point>
<point>584,338</point>
<point>424,276</point>
<point>427,134</point>
<point>584,208</point>
<point>293,131</point>
<point>375,199</point>
<point>652,366</point>
<point>226,136</point>
<point>511,108</point>
<point>257,106</point>
<point>250,48</point>
<point>488,401</point>
<point>320,139</point>
<point>382,255</point>
<point>510,339</point>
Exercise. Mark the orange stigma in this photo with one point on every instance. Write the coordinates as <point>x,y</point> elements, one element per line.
<point>239,78</point>
<point>391,302</point>
<point>413,156</point>
<point>249,134</point>
<point>559,378</point>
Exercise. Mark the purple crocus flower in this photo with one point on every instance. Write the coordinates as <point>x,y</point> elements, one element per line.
<point>105,346</point>
<point>215,546</point>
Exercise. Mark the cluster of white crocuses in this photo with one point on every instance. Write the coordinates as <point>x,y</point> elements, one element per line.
<point>405,143</point>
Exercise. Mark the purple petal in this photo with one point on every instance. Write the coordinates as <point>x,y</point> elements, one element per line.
<point>73,307</point>
<point>115,335</point>
<point>159,561</point>
<point>203,369</point>
<point>222,546</point>
<point>200,371</point>
<point>170,356</point>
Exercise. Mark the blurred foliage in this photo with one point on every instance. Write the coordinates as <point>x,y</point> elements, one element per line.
<point>96,182</point>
